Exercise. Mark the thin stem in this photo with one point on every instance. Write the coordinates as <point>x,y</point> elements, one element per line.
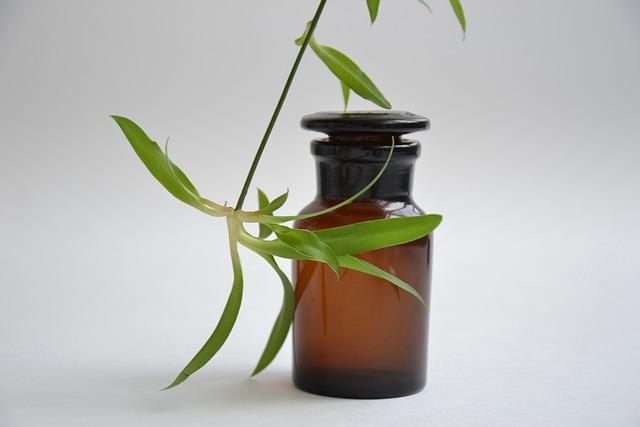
<point>276,112</point>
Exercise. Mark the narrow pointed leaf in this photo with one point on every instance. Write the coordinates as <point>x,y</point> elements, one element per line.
<point>263,202</point>
<point>457,9</point>
<point>308,244</point>
<point>267,208</point>
<point>208,206</point>
<point>346,93</point>
<point>283,321</point>
<point>355,238</point>
<point>357,264</point>
<point>255,217</point>
<point>381,233</point>
<point>373,6</point>
<point>167,173</point>
<point>179,175</point>
<point>350,74</point>
<point>229,315</point>
<point>272,247</point>
<point>277,203</point>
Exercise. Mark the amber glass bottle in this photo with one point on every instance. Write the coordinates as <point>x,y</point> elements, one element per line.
<point>359,336</point>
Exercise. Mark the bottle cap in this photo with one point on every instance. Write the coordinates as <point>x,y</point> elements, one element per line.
<point>368,122</point>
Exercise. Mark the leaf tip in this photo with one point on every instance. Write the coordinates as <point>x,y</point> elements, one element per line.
<point>256,371</point>
<point>179,380</point>
<point>335,267</point>
<point>386,105</point>
<point>119,119</point>
<point>116,119</point>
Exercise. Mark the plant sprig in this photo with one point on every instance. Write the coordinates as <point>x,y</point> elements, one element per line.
<point>334,246</point>
<point>337,247</point>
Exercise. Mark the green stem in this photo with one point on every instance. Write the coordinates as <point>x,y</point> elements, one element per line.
<point>276,112</point>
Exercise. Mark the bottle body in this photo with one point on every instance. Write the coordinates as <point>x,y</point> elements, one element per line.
<point>358,336</point>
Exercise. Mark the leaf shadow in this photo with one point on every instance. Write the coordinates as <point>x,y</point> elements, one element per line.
<point>226,391</point>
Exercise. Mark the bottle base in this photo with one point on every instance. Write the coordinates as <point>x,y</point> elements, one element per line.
<point>358,384</point>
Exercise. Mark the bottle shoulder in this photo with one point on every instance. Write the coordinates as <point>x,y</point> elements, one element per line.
<point>358,211</point>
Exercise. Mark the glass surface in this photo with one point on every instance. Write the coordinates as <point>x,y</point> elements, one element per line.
<point>359,336</point>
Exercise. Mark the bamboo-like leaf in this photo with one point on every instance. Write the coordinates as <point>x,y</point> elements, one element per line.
<point>283,321</point>
<point>229,315</point>
<point>277,203</point>
<point>425,4</point>
<point>267,208</point>
<point>167,173</point>
<point>376,234</point>
<point>373,6</point>
<point>346,71</point>
<point>457,9</point>
<point>308,244</point>
<point>355,238</point>
<point>350,74</point>
<point>179,175</point>
<point>214,208</point>
<point>263,202</point>
<point>274,219</point>
<point>272,247</point>
<point>353,263</point>
<point>346,93</point>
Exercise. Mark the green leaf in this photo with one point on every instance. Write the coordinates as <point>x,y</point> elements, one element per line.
<point>263,202</point>
<point>283,321</point>
<point>214,209</point>
<point>354,238</point>
<point>229,315</point>
<point>267,208</point>
<point>350,74</point>
<point>167,173</point>
<point>425,4</point>
<point>308,244</point>
<point>346,92</point>
<point>272,247</point>
<point>277,203</point>
<point>346,70</point>
<point>376,234</point>
<point>457,9</point>
<point>357,264</point>
<point>256,217</point>
<point>373,6</point>
<point>179,175</point>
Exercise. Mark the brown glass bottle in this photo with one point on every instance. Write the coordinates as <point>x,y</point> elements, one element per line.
<point>359,336</point>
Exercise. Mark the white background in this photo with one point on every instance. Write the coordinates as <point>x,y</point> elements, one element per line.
<point>109,285</point>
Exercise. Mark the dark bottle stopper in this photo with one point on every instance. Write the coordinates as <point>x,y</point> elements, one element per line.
<point>364,122</point>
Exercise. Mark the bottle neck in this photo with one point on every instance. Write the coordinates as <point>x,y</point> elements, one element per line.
<point>345,166</point>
